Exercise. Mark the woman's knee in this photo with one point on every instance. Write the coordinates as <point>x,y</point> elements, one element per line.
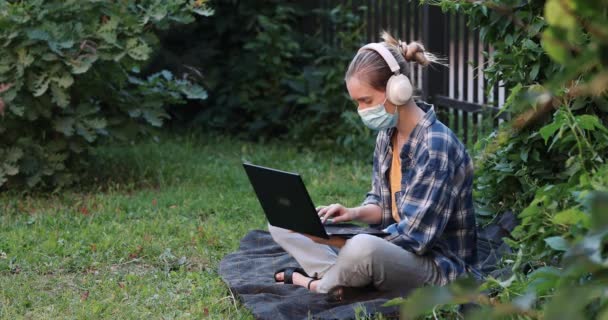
<point>360,248</point>
<point>278,233</point>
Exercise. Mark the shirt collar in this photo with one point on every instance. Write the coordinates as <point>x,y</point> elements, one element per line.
<point>427,120</point>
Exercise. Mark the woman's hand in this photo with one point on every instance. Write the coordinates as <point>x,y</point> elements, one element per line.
<point>337,213</point>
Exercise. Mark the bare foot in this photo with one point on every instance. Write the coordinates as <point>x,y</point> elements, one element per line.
<point>300,280</point>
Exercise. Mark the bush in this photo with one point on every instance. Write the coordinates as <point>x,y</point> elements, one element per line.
<point>548,163</point>
<point>69,77</point>
<point>269,77</point>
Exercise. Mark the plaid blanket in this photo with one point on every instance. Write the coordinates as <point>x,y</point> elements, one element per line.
<point>249,274</point>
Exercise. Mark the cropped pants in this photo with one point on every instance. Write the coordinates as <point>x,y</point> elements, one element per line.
<point>363,260</point>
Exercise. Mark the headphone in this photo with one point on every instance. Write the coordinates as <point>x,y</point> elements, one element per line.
<point>399,87</point>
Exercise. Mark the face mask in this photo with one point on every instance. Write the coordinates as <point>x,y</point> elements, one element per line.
<point>376,118</point>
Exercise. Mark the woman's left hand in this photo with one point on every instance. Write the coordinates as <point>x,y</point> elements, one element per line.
<point>333,241</point>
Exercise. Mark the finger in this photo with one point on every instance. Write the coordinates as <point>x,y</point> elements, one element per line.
<point>326,214</point>
<point>320,207</point>
<point>330,213</point>
<point>324,210</point>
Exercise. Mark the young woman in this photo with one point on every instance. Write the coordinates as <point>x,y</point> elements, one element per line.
<point>421,191</point>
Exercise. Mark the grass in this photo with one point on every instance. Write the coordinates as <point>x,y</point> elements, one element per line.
<point>144,237</point>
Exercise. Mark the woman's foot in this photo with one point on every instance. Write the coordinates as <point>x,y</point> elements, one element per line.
<point>300,280</point>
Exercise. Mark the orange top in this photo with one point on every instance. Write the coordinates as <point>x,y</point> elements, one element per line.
<point>395,177</point>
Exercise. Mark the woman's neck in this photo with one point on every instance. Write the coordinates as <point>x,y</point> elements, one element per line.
<point>409,116</point>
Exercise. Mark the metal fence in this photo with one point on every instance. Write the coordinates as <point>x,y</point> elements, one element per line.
<point>460,92</point>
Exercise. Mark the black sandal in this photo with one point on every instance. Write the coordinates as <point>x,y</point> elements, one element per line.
<point>288,274</point>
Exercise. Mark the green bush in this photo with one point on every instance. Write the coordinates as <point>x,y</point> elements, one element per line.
<point>548,164</point>
<point>269,77</point>
<point>69,77</point>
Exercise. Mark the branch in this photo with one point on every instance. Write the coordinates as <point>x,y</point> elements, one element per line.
<point>508,12</point>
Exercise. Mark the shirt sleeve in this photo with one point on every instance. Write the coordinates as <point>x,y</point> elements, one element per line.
<point>425,208</point>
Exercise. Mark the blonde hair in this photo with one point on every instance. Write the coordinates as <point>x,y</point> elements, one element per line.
<point>370,67</point>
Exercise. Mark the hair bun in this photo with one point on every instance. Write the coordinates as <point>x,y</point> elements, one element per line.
<point>414,51</point>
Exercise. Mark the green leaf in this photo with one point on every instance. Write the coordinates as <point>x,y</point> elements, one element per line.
<point>60,97</point>
<point>154,117</point>
<point>107,31</point>
<point>554,46</point>
<point>557,15</point>
<point>524,155</point>
<point>194,92</point>
<point>588,122</point>
<point>533,208</point>
<point>10,170</point>
<point>65,126</point>
<point>83,63</point>
<point>39,84</point>
<point>570,216</point>
<point>138,49</point>
<point>17,110</point>
<point>549,130</point>
<point>98,123</point>
<point>24,57</point>
<point>557,243</point>
<point>64,81</point>
<point>86,133</point>
<point>13,155</point>
<point>37,34</point>
<point>534,71</point>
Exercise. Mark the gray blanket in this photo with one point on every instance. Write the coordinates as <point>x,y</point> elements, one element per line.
<point>249,274</point>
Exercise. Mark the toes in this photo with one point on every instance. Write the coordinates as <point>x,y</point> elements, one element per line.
<point>279,276</point>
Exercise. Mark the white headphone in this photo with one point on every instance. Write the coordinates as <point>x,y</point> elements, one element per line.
<point>399,87</point>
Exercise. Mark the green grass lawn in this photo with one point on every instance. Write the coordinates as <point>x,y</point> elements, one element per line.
<point>144,236</point>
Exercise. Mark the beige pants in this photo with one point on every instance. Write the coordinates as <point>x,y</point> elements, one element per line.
<point>363,260</point>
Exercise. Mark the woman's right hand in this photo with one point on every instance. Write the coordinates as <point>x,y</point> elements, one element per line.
<point>336,212</point>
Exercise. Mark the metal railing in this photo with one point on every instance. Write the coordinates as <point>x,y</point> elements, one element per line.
<point>460,92</point>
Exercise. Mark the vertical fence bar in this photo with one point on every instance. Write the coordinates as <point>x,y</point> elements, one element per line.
<point>495,102</point>
<point>390,27</point>
<point>456,66</point>
<point>369,21</point>
<point>400,32</point>
<point>382,26</point>
<point>484,97</point>
<point>376,19</point>
<point>408,22</point>
<point>465,80</point>
<point>434,38</point>
<point>476,75</point>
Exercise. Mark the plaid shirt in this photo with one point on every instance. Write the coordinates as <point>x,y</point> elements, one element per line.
<point>436,203</point>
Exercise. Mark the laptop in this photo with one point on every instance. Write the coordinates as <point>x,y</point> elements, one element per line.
<point>287,205</point>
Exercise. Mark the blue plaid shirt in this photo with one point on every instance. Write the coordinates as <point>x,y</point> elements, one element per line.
<point>435,202</point>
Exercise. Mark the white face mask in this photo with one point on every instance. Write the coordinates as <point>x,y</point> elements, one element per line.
<point>376,118</point>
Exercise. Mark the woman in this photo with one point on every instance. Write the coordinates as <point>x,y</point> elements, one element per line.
<point>421,191</point>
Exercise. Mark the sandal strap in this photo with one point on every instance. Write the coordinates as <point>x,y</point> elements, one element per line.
<point>288,276</point>
<point>309,282</point>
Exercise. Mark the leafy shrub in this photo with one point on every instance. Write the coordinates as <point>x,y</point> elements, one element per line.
<point>269,77</point>
<point>548,164</point>
<point>69,77</point>
<point>323,110</point>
